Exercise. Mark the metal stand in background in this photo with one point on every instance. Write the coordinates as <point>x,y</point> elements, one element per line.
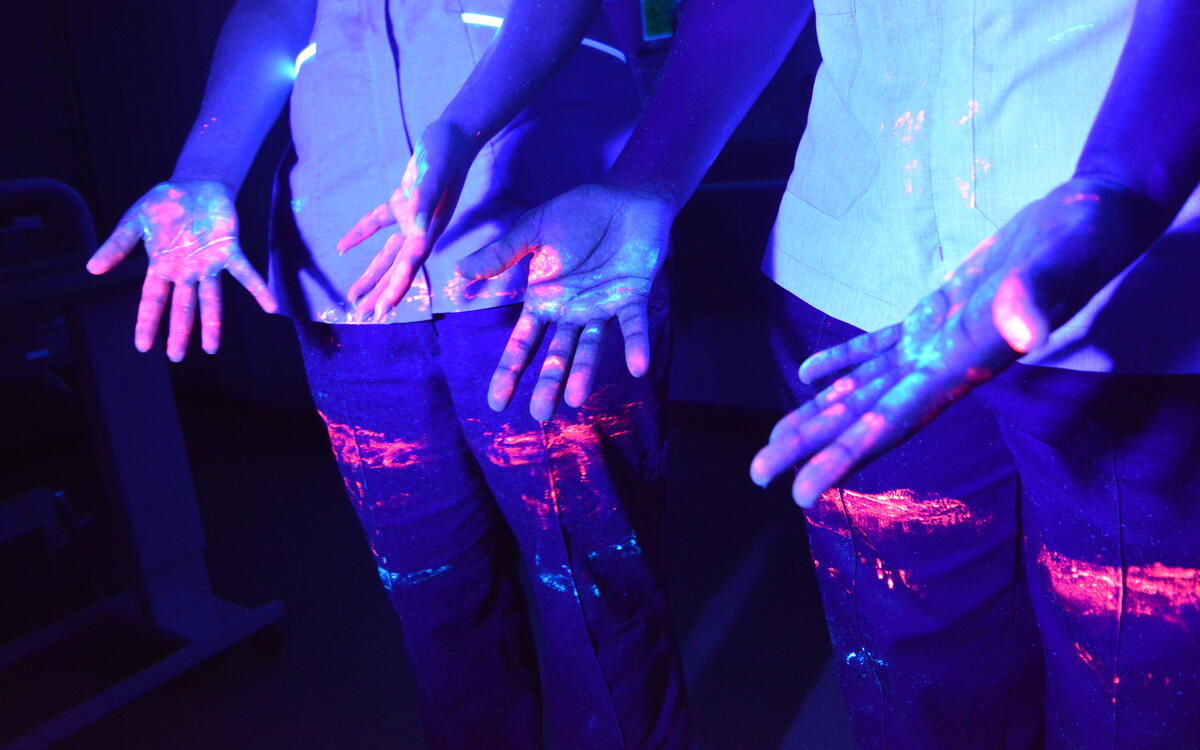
<point>147,479</point>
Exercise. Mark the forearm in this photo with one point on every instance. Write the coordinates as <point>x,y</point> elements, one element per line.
<point>724,54</point>
<point>251,76</point>
<point>1146,137</point>
<point>536,39</point>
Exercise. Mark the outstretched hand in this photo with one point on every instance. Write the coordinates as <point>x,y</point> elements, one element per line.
<point>422,207</point>
<point>189,228</point>
<point>595,252</point>
<point>1004,299</point>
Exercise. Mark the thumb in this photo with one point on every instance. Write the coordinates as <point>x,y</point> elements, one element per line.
<point>500,255</point>
<point>117,247</point>
<point>1017,317</point>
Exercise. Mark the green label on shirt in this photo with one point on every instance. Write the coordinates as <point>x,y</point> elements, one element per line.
<point>658,19</point>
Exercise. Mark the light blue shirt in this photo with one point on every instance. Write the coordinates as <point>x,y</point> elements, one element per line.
<point>932,123</point>
<point>367,91</point>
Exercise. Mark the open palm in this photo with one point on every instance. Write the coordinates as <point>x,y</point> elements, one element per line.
<point>595,252</point>
<point>190,232</point>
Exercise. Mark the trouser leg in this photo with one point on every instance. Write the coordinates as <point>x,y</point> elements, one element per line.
<point>917,559</point>
<point>444,554</point>
<point>1111,489</point>
<point>582,493</point>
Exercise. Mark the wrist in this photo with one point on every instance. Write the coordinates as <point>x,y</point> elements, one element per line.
<point>659,191</point>
<point>1144,216</point>
<point>453,140</point>
<point>224,182</point>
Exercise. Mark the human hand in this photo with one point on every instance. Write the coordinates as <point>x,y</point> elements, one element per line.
<point>422,207</point>
<point>1031,276</point>
<point>596,250</point>
<point>189,228</point>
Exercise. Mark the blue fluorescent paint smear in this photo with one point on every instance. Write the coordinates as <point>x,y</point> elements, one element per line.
<point>392,580</point>
<point>627,548</point>
<point>1069,31</point>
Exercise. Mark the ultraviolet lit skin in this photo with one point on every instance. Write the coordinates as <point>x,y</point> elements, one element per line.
<point>421,208</point>
<point>190,232</point>
<point>585,270</point>
<point>990,310</point>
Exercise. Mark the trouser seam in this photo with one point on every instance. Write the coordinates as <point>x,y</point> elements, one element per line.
<point>1121,592</point>
<point>554,497</point>
<point>868,656</point>
<point>1018,536</point>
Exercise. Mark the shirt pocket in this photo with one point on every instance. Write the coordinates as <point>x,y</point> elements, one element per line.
<point>836,161</point>
<point>841,48</point>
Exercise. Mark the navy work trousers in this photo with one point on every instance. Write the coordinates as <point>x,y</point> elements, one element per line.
<point>455,499</point>
<point>1025,571</point>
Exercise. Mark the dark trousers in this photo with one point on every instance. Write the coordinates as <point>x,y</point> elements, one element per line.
<point>1025,571</point>
<point>455,499</point>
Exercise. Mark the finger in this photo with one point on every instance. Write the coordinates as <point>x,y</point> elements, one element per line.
<point>183,318</point>
<point>210,313</point>
<point>376,219</point>
<point>805,431</point>
<point>549,385</point>
<point>497,257</point>
<point>241,270</point>
<point>117,247</point>
<point>846,355</point>
<point>894,416</point>
<point>840,389</point>
<point>882,366</point>
<point>635,328</point>
<point>1016,316</point>
<point>150,310</point>
<point>524,341</point>
<point>401,275</point>
<point>583,365</point>
<point>368,283</point>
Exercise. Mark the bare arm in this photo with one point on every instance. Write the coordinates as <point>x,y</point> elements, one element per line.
<point>536,39</point>
<point>534,42</point>
<point>597,249</point>
<point>724,54</point>
<point>1139,164</point>
<point>248,83</point>
<point>189,223</point>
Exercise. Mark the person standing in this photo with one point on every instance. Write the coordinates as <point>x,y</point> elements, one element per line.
<point>1022,569</point>
<point>455,499</point>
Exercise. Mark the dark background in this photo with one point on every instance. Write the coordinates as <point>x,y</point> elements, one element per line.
<point>101,96</point>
